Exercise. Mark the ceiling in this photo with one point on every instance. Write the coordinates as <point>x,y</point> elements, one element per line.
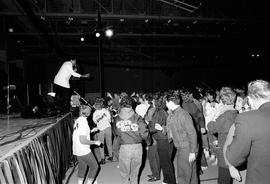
<point>147,33</point>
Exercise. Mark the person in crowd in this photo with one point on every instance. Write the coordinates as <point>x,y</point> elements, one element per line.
<point>210,106</point>
<point>198,120</point>
<point>152,153</point>
<point>157,128</point>
<point>142,106</point>
<point>62,85</point>
<point>238,174</point>
<point>252,135</point>
<point>183,133</point>
<point>81,147</point>
<point>132,131</point>
<point>102,118</point>
<point>220,125</point>
<point>115,104</point>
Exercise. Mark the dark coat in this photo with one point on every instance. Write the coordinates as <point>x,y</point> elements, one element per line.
<point>222,126</point>
<point>251,143</point>
<point>181,129</point>
<point>196,114</point>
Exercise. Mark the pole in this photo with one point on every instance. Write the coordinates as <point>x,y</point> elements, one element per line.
<point>27,95</point>
<point>100,51</point>
<point>7,65</point>
<point>8,90</point>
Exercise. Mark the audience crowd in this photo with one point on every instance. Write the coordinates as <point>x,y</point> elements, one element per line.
<point>227,127</point>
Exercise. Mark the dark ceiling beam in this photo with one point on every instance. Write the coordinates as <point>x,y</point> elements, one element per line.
<point>125,35</point>
<point>85,45</point>
<point>128,16</point>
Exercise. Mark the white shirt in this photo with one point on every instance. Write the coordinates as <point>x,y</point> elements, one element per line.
<point>102,118</point>
<point>142,109</point>
<point>80,128</point>
<point>64,74</point>
<point>210,112</point>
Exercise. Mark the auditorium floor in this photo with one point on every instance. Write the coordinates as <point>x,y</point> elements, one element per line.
<point>109,174</point>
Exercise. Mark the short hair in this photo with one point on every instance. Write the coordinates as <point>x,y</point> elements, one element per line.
<point>159,101</point>
<point>174,97</point>
<point>227,95</point>
<point>85,110</point>
<point>99,103</point>
<point>148,97</point>
<point>259,89</point>
<point>126,101</point>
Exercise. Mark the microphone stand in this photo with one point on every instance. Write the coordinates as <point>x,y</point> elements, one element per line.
<point>85,101</point>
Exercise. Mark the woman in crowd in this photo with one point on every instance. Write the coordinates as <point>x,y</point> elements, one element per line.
<point>81,147</point>
<point>221,124</point>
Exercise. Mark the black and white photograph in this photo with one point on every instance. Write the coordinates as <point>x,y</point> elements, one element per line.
<point>134,92</point>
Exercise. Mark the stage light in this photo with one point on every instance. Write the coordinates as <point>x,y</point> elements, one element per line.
<point>82,39</point>
<point>10,30</point>
<point>109,33</point>
<point>97,34</point>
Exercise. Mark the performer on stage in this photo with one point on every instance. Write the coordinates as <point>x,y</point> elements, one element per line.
<point>62,86</point>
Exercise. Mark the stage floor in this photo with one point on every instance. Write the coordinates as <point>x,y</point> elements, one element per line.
<point>16,132</point>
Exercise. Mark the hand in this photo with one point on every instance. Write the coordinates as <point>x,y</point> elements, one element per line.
<point>158,127</point>
<point>192,157</point>
<point>98,143</point>
<point>215,142</point>
<point>203,131</point>
<point>86,75</point>
<point>235,174</point>
<point>95,129</point>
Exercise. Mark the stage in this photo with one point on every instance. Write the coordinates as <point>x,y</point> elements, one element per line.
<point>35,150</point>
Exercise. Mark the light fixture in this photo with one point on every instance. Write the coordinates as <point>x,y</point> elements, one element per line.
<point>10,30</point>
<point>82,39</point>
<point>109,33</point>
<point>97,34</point>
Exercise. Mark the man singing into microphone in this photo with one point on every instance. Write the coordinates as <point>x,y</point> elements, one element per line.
<point>62,86</point>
